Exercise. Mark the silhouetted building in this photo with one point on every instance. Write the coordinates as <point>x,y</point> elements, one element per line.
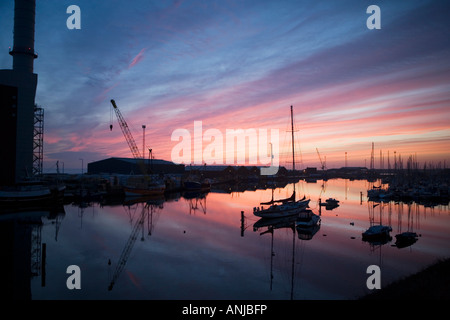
<point>353,170</point>
<point>17,95</point>
<point>132,166</point>
<point>310,170</point>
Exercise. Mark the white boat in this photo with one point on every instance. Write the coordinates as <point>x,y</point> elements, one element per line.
<point>282,210</point>
<point>27,193</point>
<point>30,193</point>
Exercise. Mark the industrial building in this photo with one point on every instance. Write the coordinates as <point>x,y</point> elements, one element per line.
<point>132,166</point>
<point>17,102</point>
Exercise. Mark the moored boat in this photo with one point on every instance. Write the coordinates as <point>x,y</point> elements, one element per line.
<point>330,202</point>
<point>139,186</point>
<point>282,210</point>
<point>142,192</point>
<point>376,232</point>
<point>30,193</point>
<point>307,225</point>
<point>307,219</point>
<point>405,239</point>
<point>196,185</point>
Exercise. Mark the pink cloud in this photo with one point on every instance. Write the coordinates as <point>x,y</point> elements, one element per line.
<point>138,58</point>
<point>397,110</point>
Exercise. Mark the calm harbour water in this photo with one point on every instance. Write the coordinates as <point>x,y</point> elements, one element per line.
<point>197,249</point>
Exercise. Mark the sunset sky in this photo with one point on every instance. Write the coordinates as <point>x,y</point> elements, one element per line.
<point>242,64</point>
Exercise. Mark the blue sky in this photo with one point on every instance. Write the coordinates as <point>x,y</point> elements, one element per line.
<point>241,64</point>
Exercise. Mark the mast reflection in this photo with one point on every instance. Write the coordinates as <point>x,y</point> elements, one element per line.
<point>196,200</point>
<point>305,229</point>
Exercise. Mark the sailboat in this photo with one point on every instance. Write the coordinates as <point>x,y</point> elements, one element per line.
<point>288,206</point>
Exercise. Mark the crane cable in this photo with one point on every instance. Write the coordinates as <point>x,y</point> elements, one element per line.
<point>110,118</point>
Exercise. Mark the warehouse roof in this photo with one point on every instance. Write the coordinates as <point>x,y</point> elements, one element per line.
<point>134,161</point>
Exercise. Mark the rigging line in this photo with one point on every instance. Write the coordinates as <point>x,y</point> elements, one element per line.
<point>251,218</point>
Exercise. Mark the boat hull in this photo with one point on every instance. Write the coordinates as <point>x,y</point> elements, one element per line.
<point>309,221</point>
<point>405,239</point>
<point>196,186</point>
<point>138,192</point>
<point>274,223</point>
<point>283,210</point>
<point>25,196</point>
<point>377,233</point>
<point>306,229</point>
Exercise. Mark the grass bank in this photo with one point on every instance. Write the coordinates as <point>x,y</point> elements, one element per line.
<point>431,283</point>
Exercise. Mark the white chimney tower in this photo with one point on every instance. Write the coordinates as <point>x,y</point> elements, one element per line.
<point>17,99</point>
<point>24,21</point>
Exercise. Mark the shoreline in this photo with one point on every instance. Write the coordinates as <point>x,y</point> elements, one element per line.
<point>430,283</point>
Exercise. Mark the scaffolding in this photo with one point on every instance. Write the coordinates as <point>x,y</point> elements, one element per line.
<point>38,141</point>
<point>36,252</point>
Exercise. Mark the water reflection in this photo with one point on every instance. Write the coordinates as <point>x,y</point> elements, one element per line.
<point>196,200</point>
<point>304,231</point>
<point>380,214</point>
<point>211,246</point>
<point>148,214</point>
<point>23,252</point>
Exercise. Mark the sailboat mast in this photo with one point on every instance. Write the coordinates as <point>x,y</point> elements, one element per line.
<point>293,151</point>
<point>292,132</point>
